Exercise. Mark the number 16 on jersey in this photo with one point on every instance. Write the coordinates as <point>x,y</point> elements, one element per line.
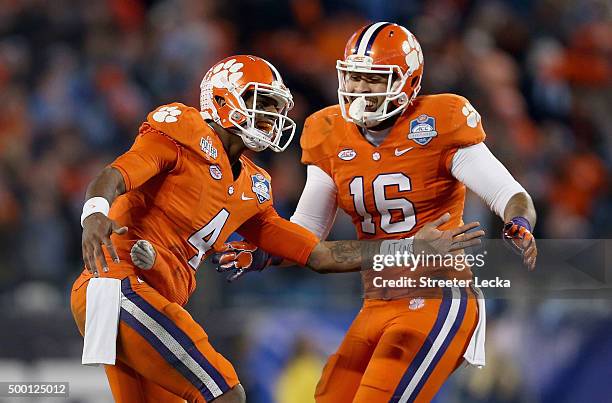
<point>384,205</point>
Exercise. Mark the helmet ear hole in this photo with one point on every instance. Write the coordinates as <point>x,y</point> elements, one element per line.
<point>220,101</point>
<point>414,81</point>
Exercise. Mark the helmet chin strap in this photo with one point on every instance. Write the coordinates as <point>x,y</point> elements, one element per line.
<point>248,133</point>
<point>252,142</point>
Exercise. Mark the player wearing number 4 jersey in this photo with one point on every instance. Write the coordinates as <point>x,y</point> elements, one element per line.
<point>185,186</point>
<point>395,161</point>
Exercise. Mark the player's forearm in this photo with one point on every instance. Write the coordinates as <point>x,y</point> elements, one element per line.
<point>108,184</point>
<point>342,256</point>
<point>520,205</point>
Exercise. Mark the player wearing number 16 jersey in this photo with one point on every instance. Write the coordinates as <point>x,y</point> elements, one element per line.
<point>394,161</point>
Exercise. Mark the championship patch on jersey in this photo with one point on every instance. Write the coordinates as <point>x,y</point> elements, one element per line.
<point>261,187</point>
<point>215,172</point>
<point>206,144</point>
<point>423,129</point>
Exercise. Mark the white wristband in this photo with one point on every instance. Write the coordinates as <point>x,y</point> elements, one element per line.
<point>95,205</point>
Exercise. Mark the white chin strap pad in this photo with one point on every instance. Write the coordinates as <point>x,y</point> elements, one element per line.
<point>251,142</point>
<point>357,109</point>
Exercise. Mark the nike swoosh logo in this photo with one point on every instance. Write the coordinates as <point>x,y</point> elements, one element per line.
<point>246,197</point>
<point>139,280</point>
<point>399,152</point>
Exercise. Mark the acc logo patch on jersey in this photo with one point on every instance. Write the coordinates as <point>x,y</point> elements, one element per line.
<point>215,172</point>
<point>261,187</point>
<point>347,154</point>
<point>423,129</point>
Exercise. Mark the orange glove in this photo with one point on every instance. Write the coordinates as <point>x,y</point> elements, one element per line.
<point>517,234</point>
<point>241,257</point>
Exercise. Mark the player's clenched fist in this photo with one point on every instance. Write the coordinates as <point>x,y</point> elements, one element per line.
<point>97,229</point>
<point>517,233</point>
<point>143,254</point>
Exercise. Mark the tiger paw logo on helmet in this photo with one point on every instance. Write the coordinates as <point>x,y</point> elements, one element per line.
<point>167,114</point>
<point>473,117</point>
<point>226,74</point>
<point>414,54</point>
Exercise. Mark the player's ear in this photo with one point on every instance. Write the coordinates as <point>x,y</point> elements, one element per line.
<point>396,82</point>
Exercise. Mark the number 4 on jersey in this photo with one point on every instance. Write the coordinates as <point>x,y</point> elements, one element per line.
<point>384,205</point>
<point>204,239</point>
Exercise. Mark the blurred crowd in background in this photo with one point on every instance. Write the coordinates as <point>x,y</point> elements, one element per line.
<point>78,77</point>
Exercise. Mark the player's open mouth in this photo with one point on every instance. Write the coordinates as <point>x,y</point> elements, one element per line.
<point>264,125</point>
<point>371,105</point>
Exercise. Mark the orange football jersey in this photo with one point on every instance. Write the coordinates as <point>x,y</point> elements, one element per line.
<point>182,197</point>
<point>391,190</point>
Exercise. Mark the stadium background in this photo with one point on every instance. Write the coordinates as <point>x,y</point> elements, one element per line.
<point>77,78</point>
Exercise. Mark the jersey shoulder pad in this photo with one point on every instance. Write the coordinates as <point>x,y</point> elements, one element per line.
<point>457,122</point>
<point>180,122</point>
<point>321,135</point>
<point>466,123</point>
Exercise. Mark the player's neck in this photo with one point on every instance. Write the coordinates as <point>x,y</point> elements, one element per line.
<point>377,134</point>
<point>234,150</point>
<point>233,146</point>
<point>384,125</point>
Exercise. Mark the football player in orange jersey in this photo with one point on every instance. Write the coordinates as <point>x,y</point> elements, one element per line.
<point>394,161</point>
<point>185,186</point>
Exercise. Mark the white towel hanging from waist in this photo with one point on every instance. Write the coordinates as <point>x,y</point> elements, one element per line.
<point>101,321</point>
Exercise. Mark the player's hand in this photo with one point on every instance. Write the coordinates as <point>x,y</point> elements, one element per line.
<point>239,258</point>
<point>97,229</point>
<point>517,234</point>
<point>431,240</point>
<point>143,254</point>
